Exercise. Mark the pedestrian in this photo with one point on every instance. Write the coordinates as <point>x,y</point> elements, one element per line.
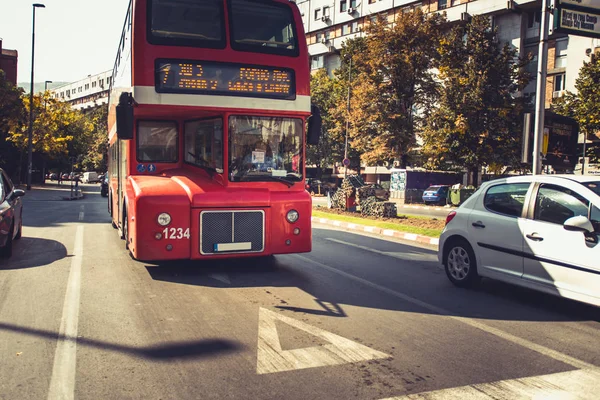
<point>76,185</point>
<point>59,178</point>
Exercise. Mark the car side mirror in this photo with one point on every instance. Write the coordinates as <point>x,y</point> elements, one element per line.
<point>579,224</point>
<point>18,193</point>
<point>315,125</point>
<point>125,117</point>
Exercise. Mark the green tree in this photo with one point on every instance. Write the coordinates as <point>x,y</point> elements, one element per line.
<point>325,91</point>
<point>584,106</point>
<point>479,116</point>
<point>95,156</point>
<point>392,87</point>
<point>12,114</point>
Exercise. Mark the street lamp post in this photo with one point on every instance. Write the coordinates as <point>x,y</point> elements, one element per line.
<point>45,90</point>
<point>30,133</point>
<point>347,122</point>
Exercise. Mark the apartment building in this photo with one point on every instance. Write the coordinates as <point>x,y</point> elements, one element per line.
<point>8,63</point>
<point>86,93</point>
<point>328,23</point>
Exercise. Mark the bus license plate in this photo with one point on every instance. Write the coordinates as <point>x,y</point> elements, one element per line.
<point>232,246</point>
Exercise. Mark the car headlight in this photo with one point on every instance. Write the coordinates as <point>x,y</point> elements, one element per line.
<point>164,219</point>
<point>292,216</point>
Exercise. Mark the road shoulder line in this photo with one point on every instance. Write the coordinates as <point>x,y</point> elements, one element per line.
<point>413,237</point>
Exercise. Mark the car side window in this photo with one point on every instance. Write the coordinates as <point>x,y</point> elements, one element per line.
<point>507,199</point>
<point>7,183</point>
<point>556,204</point>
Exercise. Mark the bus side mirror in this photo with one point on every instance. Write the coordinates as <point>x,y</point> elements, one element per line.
<point>125,117</point>
<point>314,126</point>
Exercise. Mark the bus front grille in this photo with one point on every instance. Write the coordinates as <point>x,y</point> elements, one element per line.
<point>232,231</point>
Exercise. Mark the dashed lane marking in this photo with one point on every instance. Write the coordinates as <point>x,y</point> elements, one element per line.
<point>272,358</point>
<point>556,355</point>
<point>62,382</point>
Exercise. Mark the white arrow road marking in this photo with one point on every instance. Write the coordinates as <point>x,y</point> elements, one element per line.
<point>81,214</point>
<point>579,384</point>
<point>272,358</point>
<point>62,382</point>
<point>221,277</point>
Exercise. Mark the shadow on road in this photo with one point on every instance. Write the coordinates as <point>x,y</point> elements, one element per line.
<point>29,252</point>
<point>422,280</point>
<point>161,352</point>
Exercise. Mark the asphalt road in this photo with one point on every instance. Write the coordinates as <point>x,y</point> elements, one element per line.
<point>407,209</point>
<point>358,318</point>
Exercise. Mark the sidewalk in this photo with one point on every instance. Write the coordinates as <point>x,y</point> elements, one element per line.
<point>358,228</point>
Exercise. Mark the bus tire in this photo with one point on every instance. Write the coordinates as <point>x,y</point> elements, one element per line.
<point>126,229</point>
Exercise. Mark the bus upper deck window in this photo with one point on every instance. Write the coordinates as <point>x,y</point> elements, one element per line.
<point>157,141</point>
<point>262,27</point>
<point>187,23</point>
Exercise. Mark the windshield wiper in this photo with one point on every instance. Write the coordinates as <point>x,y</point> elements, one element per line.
<point>203,165</point>
<point>272,178</point>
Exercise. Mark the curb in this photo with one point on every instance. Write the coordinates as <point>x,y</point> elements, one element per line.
<point>378,231</point>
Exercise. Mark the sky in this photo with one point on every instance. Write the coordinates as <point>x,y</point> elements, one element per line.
<point>73,38</point>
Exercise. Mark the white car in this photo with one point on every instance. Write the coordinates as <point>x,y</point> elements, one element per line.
<point>541,232</point>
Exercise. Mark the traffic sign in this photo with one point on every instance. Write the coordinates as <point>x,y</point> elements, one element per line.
<point>576,22</point>
<point>589,4</point>
<point>346,162</point>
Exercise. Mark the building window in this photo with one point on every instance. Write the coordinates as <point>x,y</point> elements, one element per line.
<point>352,3</point>
<point>317,14</point>
<point>561,53</point>
<point>559,82</point>
<point>108,80</point>
<point>327,35</point>
<point>354,27</point>
<point>345,29</point>
<point>343,5</point>
<point>372,1</point>
<point>533,25</point>
<point>317,62</point>
<point>87,86</point>
<point>319,37</point>
<point>326,11</point>
<point>442,4</point>
<point>533,64</point>
<point>93,84</point>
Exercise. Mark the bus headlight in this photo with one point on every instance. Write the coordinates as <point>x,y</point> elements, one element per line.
<point>164,219</point>
<point>292,216</point>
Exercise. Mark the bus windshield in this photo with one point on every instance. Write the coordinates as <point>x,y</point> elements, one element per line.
<point>261,148</point>
<point>264,28</point>
<point>187,22</point>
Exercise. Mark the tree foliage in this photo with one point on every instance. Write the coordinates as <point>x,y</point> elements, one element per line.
<point>584,106</point>
<point>479,116</point>
<point>325,91</point>
<point>392,87</point>
<point>12,114</point>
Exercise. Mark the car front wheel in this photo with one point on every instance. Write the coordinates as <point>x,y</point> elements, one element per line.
<point>460,263</point>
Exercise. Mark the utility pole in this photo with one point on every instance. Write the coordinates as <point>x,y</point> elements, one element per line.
<point>347,122</point>
<point>30,133</point>
<point>540,96</point>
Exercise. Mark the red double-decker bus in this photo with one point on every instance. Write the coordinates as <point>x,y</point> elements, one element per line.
<point>209,101</point>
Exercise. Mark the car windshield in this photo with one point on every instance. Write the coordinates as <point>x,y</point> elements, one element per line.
<point>593,186</point>
<point>432,188</point>
<point>265,147</point>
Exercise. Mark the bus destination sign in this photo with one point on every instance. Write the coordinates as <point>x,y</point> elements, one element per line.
<point>204,77</point>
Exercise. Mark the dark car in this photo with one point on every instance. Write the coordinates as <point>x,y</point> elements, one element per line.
<point>436,194</point>
<point>11,213</point>
<point>104,186</point>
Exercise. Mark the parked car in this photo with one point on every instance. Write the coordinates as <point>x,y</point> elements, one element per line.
<point>104,187</point>
<point>90,177</point>
<point>540,232</point>
<point>436,194</point>
<point>11,213</point>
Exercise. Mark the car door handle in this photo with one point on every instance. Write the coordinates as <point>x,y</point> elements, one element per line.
<point>478,224</point>
<point>533,236</point>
